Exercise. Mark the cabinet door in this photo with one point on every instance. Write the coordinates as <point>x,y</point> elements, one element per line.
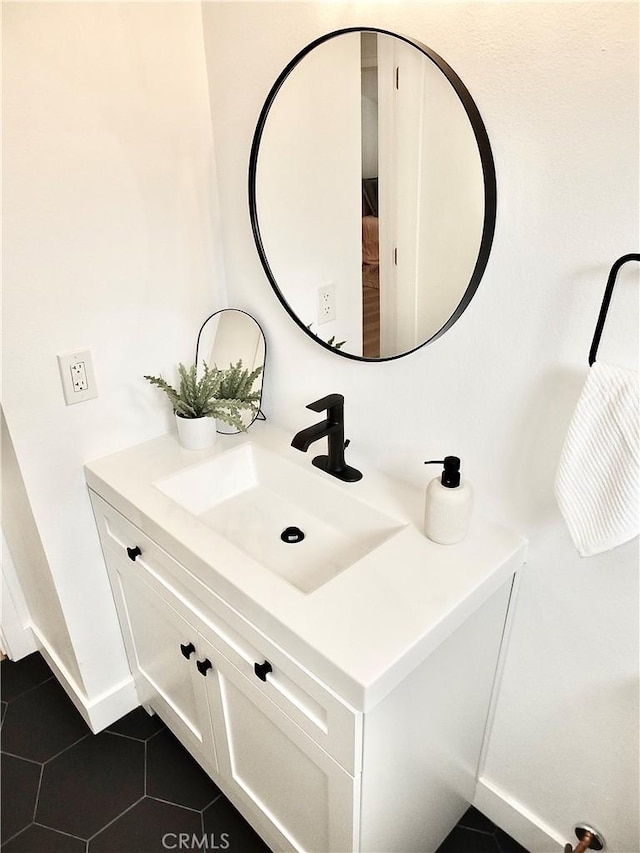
<point>274,770</point>
<point>165,652</point>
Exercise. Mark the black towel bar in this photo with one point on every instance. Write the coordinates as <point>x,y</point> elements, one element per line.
<point>605,303</point>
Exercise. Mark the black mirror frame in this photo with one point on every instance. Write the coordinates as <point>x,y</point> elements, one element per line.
<point>259,416</point>
<point>488,170</point>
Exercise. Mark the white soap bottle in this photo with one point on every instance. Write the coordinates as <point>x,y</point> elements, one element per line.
<point>448,504</point>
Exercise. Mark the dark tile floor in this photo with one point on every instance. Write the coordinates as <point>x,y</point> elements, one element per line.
<point>65,790</point>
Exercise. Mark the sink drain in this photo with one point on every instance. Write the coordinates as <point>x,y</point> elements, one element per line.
<point>291,535</point>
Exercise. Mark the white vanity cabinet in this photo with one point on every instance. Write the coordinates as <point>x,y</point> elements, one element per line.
<point>245,732</point>
<point>346,719</point>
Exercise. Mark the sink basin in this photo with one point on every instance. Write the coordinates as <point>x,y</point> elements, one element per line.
<point>251,496</point>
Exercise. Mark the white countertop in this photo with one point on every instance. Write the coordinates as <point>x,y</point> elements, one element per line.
<point>363,631</point>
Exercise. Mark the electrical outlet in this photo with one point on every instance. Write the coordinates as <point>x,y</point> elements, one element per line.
<point>326,303</point>
<point>78,380</point>
<point>79,376</point>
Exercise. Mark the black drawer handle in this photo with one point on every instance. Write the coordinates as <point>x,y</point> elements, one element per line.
<point>261,670</point>
<point>187,650</point>
<point>204,666</point>
<point>134,552</point>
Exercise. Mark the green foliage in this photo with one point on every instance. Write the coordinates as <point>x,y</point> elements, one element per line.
<point>237,383</point>
<point>221,394</point>
<point>336,345</point>
<point>332,340</point>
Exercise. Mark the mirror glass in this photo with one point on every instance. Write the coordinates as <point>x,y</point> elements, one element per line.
<point>226,337</point>
<point>372,193</point>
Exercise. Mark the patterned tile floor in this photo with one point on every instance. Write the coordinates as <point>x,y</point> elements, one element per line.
<point>65,790</point>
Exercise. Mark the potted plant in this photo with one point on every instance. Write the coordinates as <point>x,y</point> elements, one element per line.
<point>216,395</point>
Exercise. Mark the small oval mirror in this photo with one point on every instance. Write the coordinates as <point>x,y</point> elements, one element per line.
<point>230,336</point>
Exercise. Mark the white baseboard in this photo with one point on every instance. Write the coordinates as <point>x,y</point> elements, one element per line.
<point>100,712</point>
<point>510,815</point>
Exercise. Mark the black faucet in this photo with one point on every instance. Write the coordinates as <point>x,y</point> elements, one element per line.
<point>333,428</point>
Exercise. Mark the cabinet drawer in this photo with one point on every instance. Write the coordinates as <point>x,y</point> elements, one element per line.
<point>315,708</point>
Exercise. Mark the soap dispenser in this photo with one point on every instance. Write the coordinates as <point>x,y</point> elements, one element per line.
<point>448,504</point>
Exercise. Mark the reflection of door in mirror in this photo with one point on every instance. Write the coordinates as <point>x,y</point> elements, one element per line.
<point>430,191</point>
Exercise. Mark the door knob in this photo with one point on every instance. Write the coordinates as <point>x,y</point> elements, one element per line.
<point>187,650</point>
<point>261,670</point>
<point>589,839</point>
<point>204,666</point>
<point>134,552</point>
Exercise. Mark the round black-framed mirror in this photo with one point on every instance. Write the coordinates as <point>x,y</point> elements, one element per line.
<point>425,277</point>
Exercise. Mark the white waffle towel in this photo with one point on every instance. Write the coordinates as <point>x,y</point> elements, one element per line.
<point>598,479</point>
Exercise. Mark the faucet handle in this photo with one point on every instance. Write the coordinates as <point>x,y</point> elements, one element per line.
<point>328,402</point>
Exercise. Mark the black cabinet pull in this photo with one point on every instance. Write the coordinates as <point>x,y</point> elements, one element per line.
<point>134,552</point>
<point>187,650</point>
<point>204,666</point>
<point>261,670</point>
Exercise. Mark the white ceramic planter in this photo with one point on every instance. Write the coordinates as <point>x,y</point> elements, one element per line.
<point>196,433</point>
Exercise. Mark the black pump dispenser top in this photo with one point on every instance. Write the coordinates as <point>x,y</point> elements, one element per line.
<point>451,473</point>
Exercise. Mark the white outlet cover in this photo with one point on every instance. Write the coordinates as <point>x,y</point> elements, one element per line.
<point>65,364</point>
<point>326,307</point>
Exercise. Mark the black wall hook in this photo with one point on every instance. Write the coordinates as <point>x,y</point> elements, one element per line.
<point>606,301</point>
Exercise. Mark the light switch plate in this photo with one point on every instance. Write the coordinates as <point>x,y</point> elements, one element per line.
<point>78,379</point>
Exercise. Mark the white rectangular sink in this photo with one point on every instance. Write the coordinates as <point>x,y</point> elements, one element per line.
<point>250,496</point>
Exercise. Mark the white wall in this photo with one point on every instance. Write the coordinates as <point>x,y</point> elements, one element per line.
<point>109,238</point>
<point>557,86</point>
<point>26,570</point>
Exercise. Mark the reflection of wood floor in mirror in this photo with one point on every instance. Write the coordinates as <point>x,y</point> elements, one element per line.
<point>370,320</point>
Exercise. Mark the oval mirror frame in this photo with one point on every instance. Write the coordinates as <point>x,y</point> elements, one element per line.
<point>252,350</point>
<point>488,173</point>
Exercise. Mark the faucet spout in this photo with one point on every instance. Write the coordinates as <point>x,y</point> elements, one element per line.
<point>304,439</point>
